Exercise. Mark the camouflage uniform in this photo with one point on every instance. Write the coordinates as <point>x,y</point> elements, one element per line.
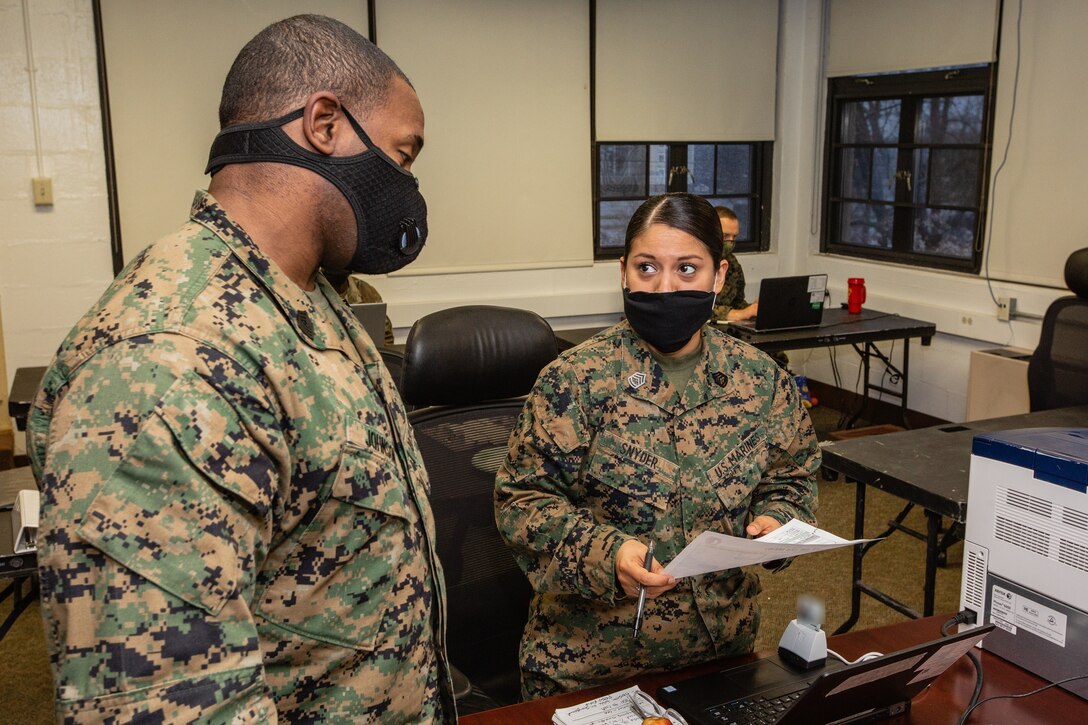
<point>235,523</point>
<point>607,450</point>
<point>732,295</point>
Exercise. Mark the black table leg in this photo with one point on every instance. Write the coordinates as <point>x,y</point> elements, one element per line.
<point>859,553</point>
<point>19,601</point>
<point>933,549</point>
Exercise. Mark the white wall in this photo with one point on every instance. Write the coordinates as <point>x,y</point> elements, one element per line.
<point>959,304</point>
<point>55,262</point>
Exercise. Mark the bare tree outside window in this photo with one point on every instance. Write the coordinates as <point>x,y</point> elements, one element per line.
<point>906,164</point>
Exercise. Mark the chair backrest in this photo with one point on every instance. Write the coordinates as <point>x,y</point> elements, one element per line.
<point>1058,370</point>
<point>457,362</point>
<point>473,353</point>
<point>394,361</point>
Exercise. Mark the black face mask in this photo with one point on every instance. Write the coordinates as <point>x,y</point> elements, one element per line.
<point>667,320</point>
<point>390,213</point>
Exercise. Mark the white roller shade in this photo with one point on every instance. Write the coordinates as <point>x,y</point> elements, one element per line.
<point>892,35</point>
<point>505,90</point>
<point>686,70</point>
<point>166,62</point>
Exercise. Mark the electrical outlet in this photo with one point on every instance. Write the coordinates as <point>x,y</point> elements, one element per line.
<point>1005,306</point>
<point>43,190</point>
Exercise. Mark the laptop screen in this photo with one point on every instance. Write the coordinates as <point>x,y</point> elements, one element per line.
<point>371,315</point>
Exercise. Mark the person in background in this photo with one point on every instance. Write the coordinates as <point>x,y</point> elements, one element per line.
<point>356,291</point>
<point>656,429</point>
<point>730,303</point>
<point>234,521</point>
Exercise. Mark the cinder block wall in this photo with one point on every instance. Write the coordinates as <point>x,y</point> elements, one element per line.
<point>54,260</point>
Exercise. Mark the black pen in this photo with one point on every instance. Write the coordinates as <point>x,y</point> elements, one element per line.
<point>642,589</point>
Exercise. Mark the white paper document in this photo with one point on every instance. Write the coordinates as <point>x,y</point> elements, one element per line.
<point>711,551</point>
<point>614,709</point>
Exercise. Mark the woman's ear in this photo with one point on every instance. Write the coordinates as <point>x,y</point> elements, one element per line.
<point>719,276</point>
<point>623,273</point>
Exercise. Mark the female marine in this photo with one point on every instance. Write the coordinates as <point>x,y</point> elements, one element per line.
<point>659,428</point>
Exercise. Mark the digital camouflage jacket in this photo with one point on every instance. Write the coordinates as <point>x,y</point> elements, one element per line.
<point>235,525</point>
<point>606,449</point>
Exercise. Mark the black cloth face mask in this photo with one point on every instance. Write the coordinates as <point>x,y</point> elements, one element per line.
<point>667,320</point>
<point>390,213</point>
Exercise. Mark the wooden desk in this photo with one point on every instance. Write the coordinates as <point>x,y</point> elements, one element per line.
<point>928,467</point>
<point>838,327</point>
<point>943,702</point>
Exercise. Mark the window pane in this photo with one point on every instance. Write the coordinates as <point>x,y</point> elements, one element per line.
<point>952,119</point>
<point>944,232</point>
<point>884,161</point>
<point>701,168</point>
<point>921,175</point>
<point>659,169</point>
<point>734,168</point>
<point>622,170</point>
<point>739,205</point>
<point>870,122</point>
<point>855,172</point>
<point>614,216</point>
<point>867,225</point>
<point>955,177</point>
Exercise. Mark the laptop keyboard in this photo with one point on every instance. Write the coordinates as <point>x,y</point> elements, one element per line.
<point>755,710</point>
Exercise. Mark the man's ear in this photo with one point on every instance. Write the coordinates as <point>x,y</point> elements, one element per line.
<point>319,120</point>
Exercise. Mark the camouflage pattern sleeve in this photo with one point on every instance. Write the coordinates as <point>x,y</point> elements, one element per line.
<point>561,548</point>
<point>160,471</point>
<point>788,486</point>
<point>732,295</point>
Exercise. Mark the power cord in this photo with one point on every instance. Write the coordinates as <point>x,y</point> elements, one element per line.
<point>1022,694</point>
<point>967,616</point>
<point>863,658</point>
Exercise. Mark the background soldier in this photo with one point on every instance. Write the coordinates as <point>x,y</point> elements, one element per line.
<point>658,429</point>
<point>235,523</point>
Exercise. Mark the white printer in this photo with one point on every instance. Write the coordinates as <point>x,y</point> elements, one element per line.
<point>1025,557</point>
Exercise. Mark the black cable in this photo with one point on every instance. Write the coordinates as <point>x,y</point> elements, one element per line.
<point>1008,142</point>
<point>967,617</point>
<point>1022,694</point>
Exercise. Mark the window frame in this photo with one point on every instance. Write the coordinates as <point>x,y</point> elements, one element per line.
<point>761,154</point>
<point>908,87</point>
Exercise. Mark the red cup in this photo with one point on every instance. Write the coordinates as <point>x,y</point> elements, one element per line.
<point>855,294</point>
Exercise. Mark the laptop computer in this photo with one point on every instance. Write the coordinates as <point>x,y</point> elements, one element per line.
<point>872,690</point>
<point>787,303</point>
<point>371,315</point>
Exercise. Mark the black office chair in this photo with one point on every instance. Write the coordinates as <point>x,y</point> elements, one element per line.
<point>1058,371</point>
<point>394,361</point>
<point>472,367</point>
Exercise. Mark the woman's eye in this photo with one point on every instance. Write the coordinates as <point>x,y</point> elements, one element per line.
<point>687,269</point>
<point>646,268</point>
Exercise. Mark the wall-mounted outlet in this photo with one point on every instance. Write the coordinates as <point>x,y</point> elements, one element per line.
<point>1005,308</point>
<point>43,190</point>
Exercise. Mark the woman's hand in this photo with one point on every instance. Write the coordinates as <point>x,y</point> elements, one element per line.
<point>630,571</point>
<point>762,525</point>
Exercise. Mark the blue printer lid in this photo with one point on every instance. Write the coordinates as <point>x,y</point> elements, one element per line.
<point>1055,455</point>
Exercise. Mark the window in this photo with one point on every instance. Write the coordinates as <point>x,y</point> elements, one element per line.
<point>736,175</point>
<point>907,163</point>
